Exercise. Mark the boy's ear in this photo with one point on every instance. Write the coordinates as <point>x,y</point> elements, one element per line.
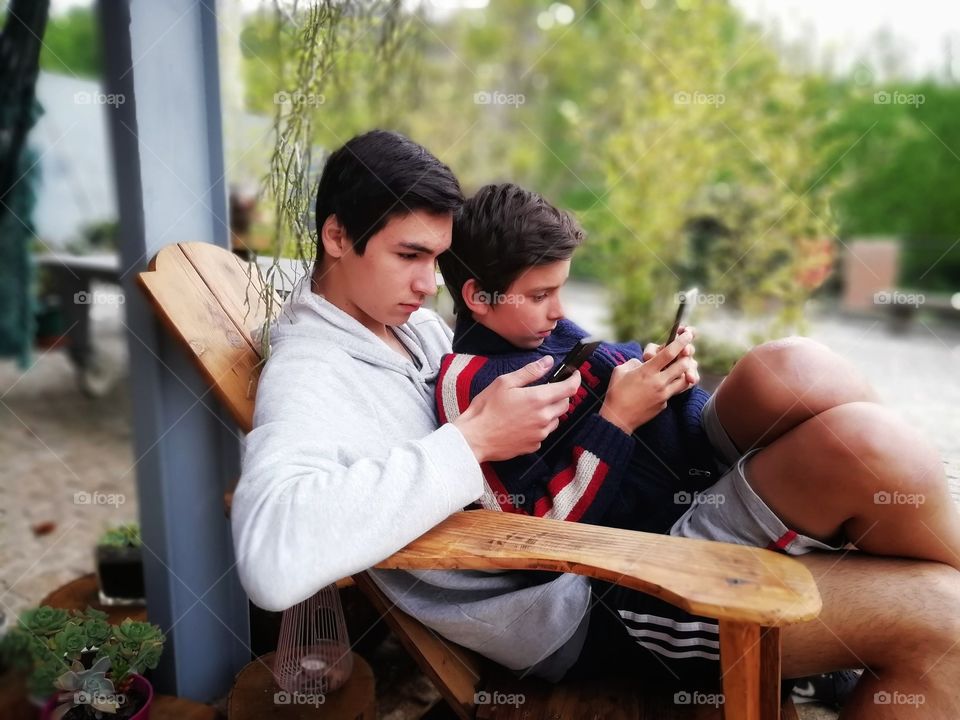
<point>334,237</point>
<point>474,297</point>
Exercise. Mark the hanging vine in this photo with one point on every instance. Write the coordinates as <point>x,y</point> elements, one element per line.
<point>317,45</point>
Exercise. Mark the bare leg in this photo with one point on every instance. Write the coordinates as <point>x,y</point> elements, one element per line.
<point>899,619</point>
<point>780,384</point>
<point>860,469</point>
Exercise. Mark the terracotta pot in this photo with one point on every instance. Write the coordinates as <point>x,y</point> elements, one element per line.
<point>140,684</point>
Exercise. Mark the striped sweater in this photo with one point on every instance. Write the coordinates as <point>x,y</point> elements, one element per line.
<point>587,470</point>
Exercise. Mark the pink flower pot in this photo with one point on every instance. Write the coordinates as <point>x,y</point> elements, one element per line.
<point>140,684</point>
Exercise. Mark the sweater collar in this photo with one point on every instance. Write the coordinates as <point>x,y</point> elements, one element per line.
<point>472,338</point>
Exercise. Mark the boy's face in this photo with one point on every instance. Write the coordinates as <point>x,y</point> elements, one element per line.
<point>529,310</point>
<point>396,272</point>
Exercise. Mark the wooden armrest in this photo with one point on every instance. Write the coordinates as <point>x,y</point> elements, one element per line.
<point>718,580</point>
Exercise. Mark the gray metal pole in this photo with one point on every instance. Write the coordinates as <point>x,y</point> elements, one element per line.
<point>161,57</point>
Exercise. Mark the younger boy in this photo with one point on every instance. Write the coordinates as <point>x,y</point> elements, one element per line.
<point>510,255</point>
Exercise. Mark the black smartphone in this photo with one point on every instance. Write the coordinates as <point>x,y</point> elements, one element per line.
<point>574,359</point>
<point>683,312</point>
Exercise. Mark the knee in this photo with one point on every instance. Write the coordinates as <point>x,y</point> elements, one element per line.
<point>809,371</point>
<point>786,368</point>
<point>790,357</point>
<point>928,638</point>
<point>881,449</point>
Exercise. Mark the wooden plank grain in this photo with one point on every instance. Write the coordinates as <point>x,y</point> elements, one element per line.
<point>718,580</point>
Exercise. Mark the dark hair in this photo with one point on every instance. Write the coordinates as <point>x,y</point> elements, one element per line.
<point>500,232</point>
<point>376,176</point>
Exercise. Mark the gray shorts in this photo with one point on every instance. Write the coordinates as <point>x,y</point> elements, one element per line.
<point>729,510</point>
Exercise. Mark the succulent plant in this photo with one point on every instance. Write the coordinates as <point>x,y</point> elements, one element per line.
<point>83,686</point>
<point>121,536</point>
<point>81,656</point>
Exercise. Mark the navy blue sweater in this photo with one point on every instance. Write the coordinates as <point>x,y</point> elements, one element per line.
<point>587,470</point>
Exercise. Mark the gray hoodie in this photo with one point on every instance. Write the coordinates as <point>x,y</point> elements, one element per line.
<point>345,465</point>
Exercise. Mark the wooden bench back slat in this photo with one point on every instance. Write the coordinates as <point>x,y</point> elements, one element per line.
<point>185,284</point>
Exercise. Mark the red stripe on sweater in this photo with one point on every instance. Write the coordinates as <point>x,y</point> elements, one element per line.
<point>498,489</point>
<point>557,483</point>
<point>588,376</point>
<point>590,493</point>
<point>465,380</point>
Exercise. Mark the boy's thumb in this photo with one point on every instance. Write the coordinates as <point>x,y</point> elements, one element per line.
<point>532,371</point>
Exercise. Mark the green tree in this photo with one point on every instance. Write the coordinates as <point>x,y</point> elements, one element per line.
<point>71,44</point>
<point>900,174</point>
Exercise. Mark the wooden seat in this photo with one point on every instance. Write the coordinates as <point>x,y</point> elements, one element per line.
<point>213,302</point>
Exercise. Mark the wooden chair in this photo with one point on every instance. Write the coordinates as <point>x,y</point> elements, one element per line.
<point>211,302</point>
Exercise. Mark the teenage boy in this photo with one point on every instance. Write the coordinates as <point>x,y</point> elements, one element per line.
<point>637,463</point>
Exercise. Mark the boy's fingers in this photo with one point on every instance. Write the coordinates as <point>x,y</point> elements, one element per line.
<point>677,385</point>
<point>650,350</point>
<point>671,351</point>
<point>529,372</point>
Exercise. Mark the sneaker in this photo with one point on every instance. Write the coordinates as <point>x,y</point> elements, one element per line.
<point>831,689</point>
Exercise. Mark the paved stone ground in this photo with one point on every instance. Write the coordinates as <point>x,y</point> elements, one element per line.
<point>55,443</point>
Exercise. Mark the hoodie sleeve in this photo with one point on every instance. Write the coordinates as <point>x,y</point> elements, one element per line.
<point>302,516</point>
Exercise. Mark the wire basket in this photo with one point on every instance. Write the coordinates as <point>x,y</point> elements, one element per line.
<point>313,655</point>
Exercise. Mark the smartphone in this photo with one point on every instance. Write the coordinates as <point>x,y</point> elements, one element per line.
<point>574,359</point>
<point>683,312</point>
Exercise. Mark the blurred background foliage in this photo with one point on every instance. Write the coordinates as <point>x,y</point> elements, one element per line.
<point>692,150</point>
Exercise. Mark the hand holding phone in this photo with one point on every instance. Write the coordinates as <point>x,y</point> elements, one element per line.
<point>574,359</point>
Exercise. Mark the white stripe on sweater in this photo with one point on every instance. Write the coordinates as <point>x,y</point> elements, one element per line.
<point>566,500</point>
<point>449,390</point>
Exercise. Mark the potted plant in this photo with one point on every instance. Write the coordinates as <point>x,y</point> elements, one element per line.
<point>88,668</point>
<point>120,566</point>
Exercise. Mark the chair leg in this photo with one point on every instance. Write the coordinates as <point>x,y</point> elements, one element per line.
<point>750,663</point>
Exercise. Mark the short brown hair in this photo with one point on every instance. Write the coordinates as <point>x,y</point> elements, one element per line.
<point>501,231</point>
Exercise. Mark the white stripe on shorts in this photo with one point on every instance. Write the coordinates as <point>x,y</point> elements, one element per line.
<point>706,627</point>
<point>670,640</point>
<point>684,654</point>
